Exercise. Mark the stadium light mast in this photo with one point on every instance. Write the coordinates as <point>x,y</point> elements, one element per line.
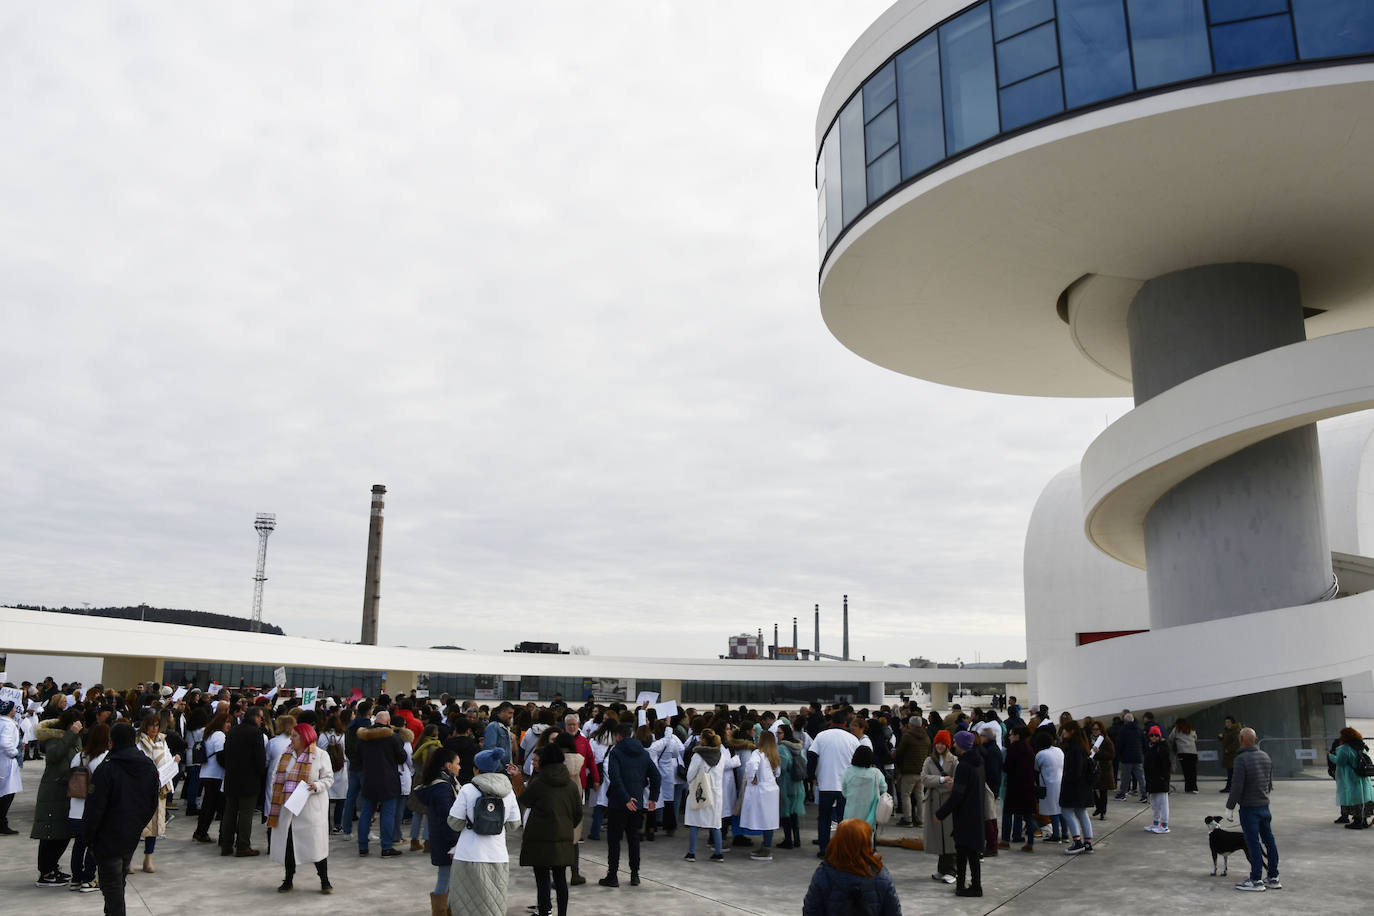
<point>264,524</point>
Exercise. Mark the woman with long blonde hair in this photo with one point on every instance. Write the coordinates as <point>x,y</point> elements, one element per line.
<point>762,797</point>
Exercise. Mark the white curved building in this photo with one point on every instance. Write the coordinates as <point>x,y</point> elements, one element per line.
<point>1166,198</point>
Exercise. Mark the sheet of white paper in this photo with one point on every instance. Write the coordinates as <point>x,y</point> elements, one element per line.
<point>646,696</point>
<point>643,717</point>
<point>666,709</point>
<point>167,772</point>
<point>295,802</point>
<point>178,694</point>
<point>213,690</point>
<point>279,676</point>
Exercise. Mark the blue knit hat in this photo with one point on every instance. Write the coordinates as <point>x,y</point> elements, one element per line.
<point>488,761</point>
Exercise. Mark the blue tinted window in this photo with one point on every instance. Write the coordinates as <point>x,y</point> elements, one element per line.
<point>1332,28</point>
<point>853,183</point>
<point>1032,99</point>
<point>1012,16</point>
<point>884,174</point>
<point>1227,10</point>
<point>1169,39</point>
<point>879,92</point>
<point>830,169</point>
<point>918,91</point>
<point>881,133</point>
<point>1028,53</point>
<point>1092,43</point>
<point>1253,43</point>
<point>970,83</point>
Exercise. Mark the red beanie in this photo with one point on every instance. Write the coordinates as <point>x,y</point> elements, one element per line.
<point>942,737</point>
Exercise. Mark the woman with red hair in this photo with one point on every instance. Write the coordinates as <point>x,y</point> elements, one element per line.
<point>851,872</point>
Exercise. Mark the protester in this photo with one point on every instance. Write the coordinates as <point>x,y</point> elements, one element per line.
<point>1104,753</point>
<point>60,740</point>
<point>153,745</point>
<point>1076,787</point>
<point>1354,792</point>
<point>910,756</point>
<point>705,777</point>
<point>11,762</point>
<point>212,777</point>
<point>852,879</point>
<point>966,807</point>
<point>831,752</point>
<point>91,756</point>
<point>438,791</point>
<point>296,839</point>
<point>760,810</point>
<point>792,786</point>
<point>629,772</point>
<point>1157,768</point>
<point>937,778</point>
<point>123,798</point>
<point>1018,808</point>
<point>244,759</point>
<point>383,755</point>
<point>554,807</point>
<point>862,784</point>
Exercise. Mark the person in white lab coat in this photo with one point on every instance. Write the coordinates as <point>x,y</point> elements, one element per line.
<point>761,794</point>
<point>11,751</point>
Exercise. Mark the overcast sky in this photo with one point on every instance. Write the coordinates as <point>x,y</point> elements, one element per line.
<point>545,270</point>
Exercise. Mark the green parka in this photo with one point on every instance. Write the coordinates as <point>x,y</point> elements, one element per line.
<point>52,806</point>
<point>1352,789</point>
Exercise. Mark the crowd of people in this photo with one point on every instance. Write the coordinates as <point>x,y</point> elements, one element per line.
<point>116,765</point>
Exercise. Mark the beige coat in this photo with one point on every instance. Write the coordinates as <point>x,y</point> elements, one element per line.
<point>156,752</point>
<point>309,829</point>
<point>939,835</point>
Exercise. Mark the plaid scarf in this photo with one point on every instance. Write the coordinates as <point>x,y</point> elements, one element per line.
<point>284,782</point>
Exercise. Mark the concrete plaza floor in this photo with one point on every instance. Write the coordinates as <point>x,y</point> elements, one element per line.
<point>1323,868</point>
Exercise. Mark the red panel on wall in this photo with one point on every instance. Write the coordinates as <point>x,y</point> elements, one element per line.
<point>1085,638</point>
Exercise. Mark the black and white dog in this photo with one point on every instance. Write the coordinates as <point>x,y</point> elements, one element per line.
<point>1223,843</point>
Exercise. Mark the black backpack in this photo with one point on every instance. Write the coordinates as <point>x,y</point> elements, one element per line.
<point>1364,766</point>
<point>198,756</point>
<point>489,815</point>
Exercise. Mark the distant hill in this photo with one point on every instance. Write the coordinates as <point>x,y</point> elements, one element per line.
<point>162,615</point>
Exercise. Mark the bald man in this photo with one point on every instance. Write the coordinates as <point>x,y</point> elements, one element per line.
<point>1251,784</point>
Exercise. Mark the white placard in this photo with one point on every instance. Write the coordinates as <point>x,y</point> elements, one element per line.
<point>178,694</point>
<point>646,696</point>
<point>168,771</point>
<point>279,676</point>
<point>308,695</point>
<point>13,694</point>
<point>664,710</point>
<point>295,802</point>
<point>213,690</point>
<point>4,676</point>
<point>299,691</point>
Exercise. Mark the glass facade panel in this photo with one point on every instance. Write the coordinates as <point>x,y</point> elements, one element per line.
<point>834,213</point>
<point>853,185</point>
<point>773,693</point>
<point>1253,43</point>
<point>1169,40</point>
<point>880,91</point>
<point>880,134</point>
<point>1032,99</point>
<point>1092,41</point>
<point>1228,10</point>
<point>968,78</point>
<point>1012,16</point>
<point>1027,54</point>
<point>918,106</point>
<point>884,174</point>
<point>1334,28</point>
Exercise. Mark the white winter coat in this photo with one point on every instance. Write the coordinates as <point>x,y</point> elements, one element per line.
<point>1049,764</point>
<point>11,749</point>
<point>706,817</point>
<point>599,751</point>
<point>761,794</point>
<point>309,829</point>
<point>666,754</point>
<point>728,762</point>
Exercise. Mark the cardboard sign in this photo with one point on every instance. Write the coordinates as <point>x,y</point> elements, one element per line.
<point>308,697</point>
<point>279,675</point>
<point>178,694</point>
<point>13,694</point>
<point>646,696</point>
<point>213,690</point>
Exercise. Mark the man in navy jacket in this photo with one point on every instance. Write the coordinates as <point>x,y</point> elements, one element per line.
<point>123,799</point>
<point>629,771</point>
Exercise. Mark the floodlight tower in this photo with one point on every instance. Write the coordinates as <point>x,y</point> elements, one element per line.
<point>264,524</point>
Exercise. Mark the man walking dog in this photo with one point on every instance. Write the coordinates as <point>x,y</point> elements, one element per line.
<point>1251,783</point>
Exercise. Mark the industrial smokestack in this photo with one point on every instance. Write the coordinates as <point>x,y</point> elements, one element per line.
<point>774,653</point>
<point>846,628</point>
<point>818,633</point>
<point>372,581</point>
<point>795,647</point>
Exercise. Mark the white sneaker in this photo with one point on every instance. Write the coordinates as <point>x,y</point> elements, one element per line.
<point>1162,828</point>
<point>1273,884</point>
<point>1151,828</point>
<point>1248,885</point>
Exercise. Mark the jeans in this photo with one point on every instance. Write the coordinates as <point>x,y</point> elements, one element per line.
<point>1159,808</point>
<point>111,872</point>
<point>350,805</point>
<point>192,785</point>
<point>1134,780</point>
<point>715,840</point>
<point>831,806</point>
<point>598,812</point>
<point>621,821</point>
<point>417,827</point>
<point>1078,822</point>
<point>83,862</point>
<point>558,877</point>
<point>387,810</point>
<point>1022,828</point>
<point>441,884</point>
<point>1256,824</point>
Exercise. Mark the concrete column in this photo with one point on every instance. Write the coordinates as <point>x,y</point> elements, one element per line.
<point>876,689</point>
<point>670,690</point>
<point>939,695</point>
<point>1248,532</point>
<point>400,683</point>
<point>123,672</point>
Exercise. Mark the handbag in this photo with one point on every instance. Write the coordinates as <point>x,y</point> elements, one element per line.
<point>79,780</point>
<point>885,806</point>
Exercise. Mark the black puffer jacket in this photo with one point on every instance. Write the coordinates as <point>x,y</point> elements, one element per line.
<point>123,799</point>
<point>1157,767</point>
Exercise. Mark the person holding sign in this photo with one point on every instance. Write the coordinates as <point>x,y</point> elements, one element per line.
<point>10,751</point>
<point>154,747</point>
<point>298,808</point>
